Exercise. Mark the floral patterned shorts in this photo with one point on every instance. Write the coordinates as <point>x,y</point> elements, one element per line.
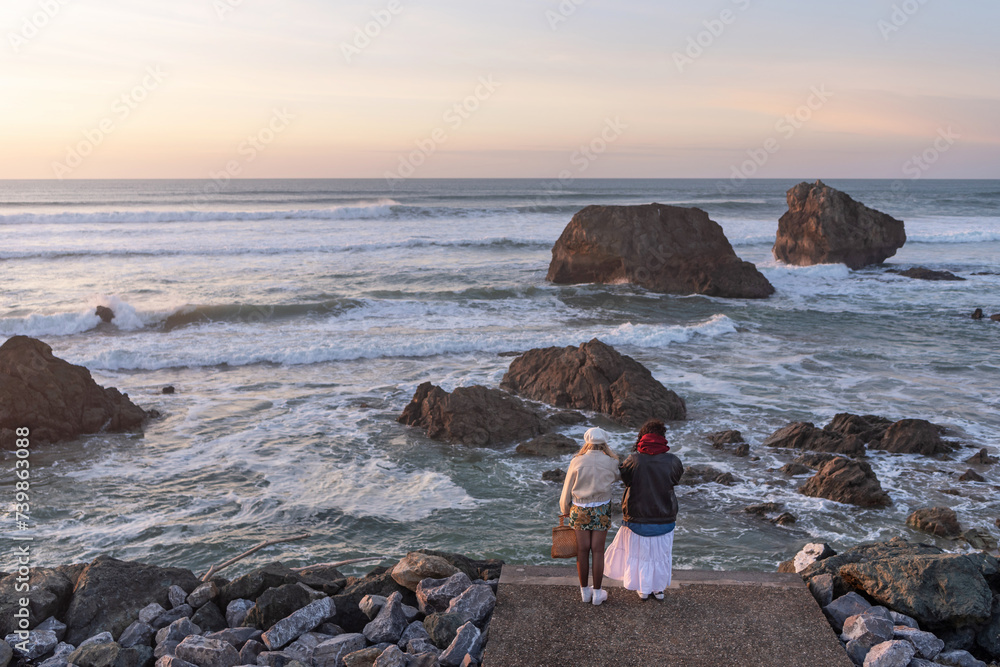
<point>590,518</point>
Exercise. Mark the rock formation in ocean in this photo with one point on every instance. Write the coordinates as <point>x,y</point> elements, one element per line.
<point>806,436</point>
<point>593,376</point>
<point>105,313</point>
<point>665,249</point>
<point>922,273</point>
<point>913,436</point>
<point>551,445</point>
<point>847,481</point>
<point>55,399</point>
<point>940,521</point>
<point>869,428</point>
<point>826,226</point>
<point>477,416</point>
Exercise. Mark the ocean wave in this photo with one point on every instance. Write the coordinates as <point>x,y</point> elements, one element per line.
<point>356,338</point>
<point>956,236</point>
<point>127,318</point>
<point>382,208</point>
<point>494,243</point>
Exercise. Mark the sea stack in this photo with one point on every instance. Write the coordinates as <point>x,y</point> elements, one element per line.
<point>665,249</point>
<point>55,399</point>
<point>826,226</point>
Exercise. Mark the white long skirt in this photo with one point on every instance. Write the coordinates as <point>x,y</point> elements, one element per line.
<point>643,564</point>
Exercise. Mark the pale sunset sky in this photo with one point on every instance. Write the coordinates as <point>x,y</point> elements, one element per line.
<point>174,88</point>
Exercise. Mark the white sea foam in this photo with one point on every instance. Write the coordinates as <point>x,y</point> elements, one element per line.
<point>236,344</point>
<point>66,324</point>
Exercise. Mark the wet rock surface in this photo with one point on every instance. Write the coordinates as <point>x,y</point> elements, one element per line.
<point>593,376</point>
<point>665,249</point>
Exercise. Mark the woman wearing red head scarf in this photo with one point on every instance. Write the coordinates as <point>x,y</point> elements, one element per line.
<point>642,552</point>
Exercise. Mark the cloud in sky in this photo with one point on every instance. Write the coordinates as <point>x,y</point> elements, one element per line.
<point>700,86</point>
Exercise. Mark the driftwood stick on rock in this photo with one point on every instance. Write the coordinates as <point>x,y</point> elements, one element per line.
<point>216,568</point>
<point>341,563</point>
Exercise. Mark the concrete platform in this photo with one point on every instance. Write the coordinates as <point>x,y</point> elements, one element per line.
<point>745,619</point>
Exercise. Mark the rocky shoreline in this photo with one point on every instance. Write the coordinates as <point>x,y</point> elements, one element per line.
<point>900,604</point>
<point>893,604</point>
<point>428,609</point>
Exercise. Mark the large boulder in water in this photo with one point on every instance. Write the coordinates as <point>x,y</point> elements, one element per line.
<point>55,399</point>
<point>666,249</point>
<point>477,416</point>
<point>913,436</point>
<point>826,226</point>
<point>869,428</point>
<point>847,481</point>
<point>593,376</point>
<point>806,436</point>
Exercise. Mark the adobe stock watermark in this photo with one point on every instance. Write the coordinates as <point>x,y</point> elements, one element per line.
<point>123,107</point>
<point>899,17</point>
<point>364,36</point>
<point>248,151</point>
<point>223,8</point>
<point>454,118</point>
<point>562,13</point>
<point>583,157</point>
<point>921,163</point>
<point>786,128</point>
<point>33,24</point>
<point>698,44</point>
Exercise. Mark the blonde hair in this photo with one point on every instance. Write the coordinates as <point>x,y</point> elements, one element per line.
<point>598,446</point>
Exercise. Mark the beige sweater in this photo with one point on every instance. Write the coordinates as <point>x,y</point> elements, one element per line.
<point>589,480</point>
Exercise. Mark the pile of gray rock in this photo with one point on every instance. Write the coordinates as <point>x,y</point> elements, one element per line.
<point>429,609</point>
<point>898,604</point>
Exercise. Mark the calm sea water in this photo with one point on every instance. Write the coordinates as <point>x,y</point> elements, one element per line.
<point>296,318</point>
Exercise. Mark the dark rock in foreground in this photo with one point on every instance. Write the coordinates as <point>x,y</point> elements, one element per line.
<point>49,594</point>
<point>476,416</point>
<point>594,377</point>
<point>804,435</point>
<point>940,603</point>
<point>940,591</point>
<point>55,399</point>
<point>847,481</point>
<point>665,249</point>
<point>826,226</point>
<point>110,593</point>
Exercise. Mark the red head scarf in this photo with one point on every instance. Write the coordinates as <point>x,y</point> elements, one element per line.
<point>653,444</point>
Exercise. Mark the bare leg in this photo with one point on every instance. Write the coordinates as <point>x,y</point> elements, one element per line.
<point>597,546</point>
<point>583,556</point>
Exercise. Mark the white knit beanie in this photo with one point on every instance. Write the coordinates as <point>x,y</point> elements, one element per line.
<point>595,436</point>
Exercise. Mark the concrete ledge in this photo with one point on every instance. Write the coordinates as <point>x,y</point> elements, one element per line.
<point>535,575</point>
<point>710,619</point>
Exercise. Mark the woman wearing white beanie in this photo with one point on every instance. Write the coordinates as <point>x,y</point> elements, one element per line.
<point>586,500</point>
